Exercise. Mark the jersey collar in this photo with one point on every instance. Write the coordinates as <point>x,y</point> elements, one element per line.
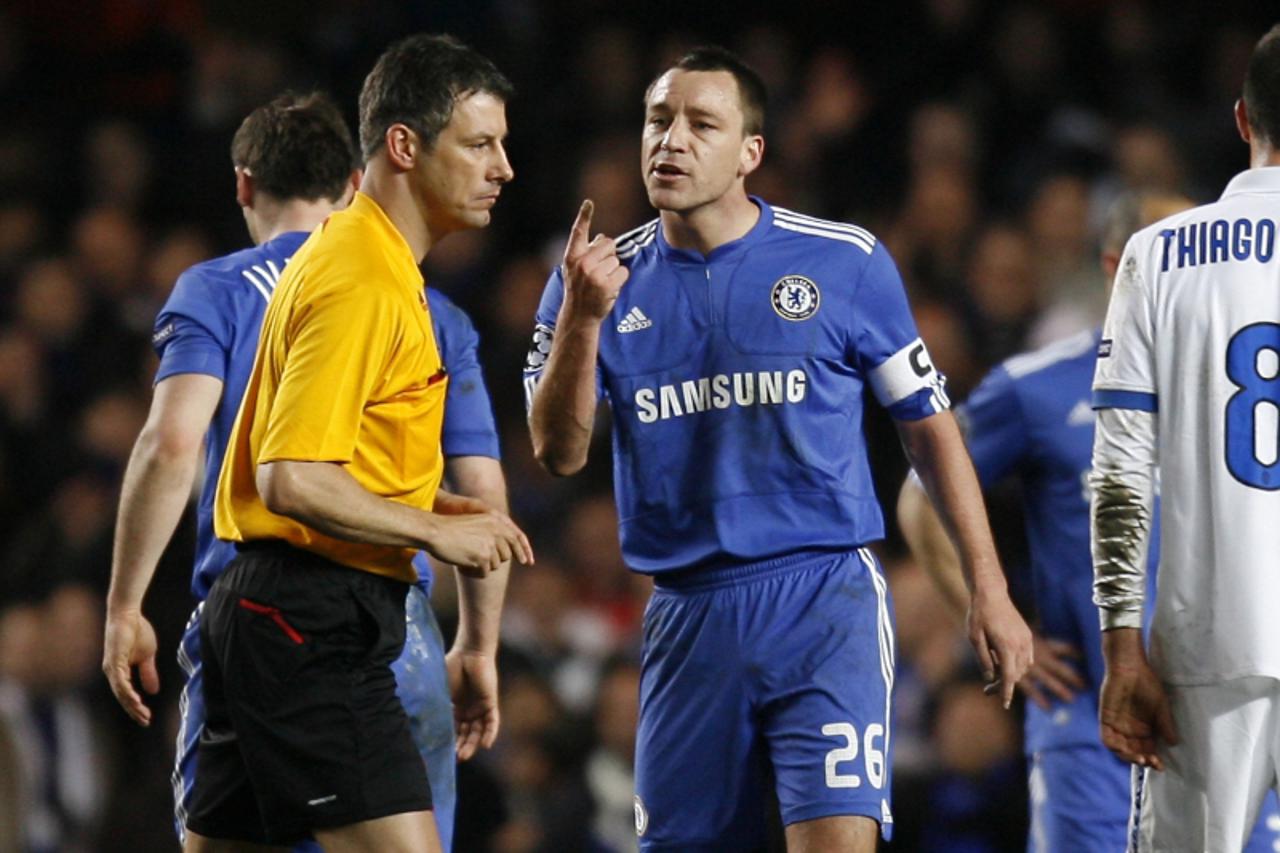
<point>365,207</point>
<point>728,250</point>
<point>288,242</point>
<point>1265,179</point>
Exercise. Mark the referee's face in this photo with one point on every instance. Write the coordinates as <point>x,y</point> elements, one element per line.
<point>694,151</point>
<point>460,178</point>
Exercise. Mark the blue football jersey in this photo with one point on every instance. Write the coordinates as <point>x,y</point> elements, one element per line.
<point>736,383</point>
<point>1032,417</point>
<point>469,428</point>
<point>210,325</point>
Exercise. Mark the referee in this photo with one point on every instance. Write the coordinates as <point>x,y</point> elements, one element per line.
<point>330,484</point>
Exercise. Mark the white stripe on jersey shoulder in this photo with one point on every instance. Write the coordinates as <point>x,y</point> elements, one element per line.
<point>801,224</point>
<point>805,219</point>
<point>1031,362</point>
<point>262,284</point>
<point>636,239</point>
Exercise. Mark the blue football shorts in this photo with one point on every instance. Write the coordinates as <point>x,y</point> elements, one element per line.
<point>423,688</point>
<point>1079,800</point>
<point>777,673</point>
<point>421,684</point>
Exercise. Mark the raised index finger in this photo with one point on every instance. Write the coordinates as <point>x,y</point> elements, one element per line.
<point>580,231</point>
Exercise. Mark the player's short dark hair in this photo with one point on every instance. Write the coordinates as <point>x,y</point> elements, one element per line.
<point>752,95</point>
<point>296,147</point>
<point>417,81</point>
<point>1262,87</point>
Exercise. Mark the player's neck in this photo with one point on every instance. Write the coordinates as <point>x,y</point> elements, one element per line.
<point>1263,156</point>
<point>278,218</point>
<point>393,194</point>
<point>709,226</point>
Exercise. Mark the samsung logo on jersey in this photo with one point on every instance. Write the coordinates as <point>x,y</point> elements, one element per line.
<point>763,388</point>
<point>1218,241</point>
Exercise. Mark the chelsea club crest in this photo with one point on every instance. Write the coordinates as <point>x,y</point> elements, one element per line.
<point>795,298</point>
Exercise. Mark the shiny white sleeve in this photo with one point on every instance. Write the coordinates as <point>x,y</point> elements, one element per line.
<point>1124,376</point>
<point>1122,483</point>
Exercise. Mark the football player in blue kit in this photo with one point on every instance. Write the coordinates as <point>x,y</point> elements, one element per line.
<point>1032,417</point>
<point>295,163</point>
<point>734,361</point>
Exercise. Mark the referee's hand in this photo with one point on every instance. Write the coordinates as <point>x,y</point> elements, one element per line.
<point>477,540</point>
<point>130,641</point>
<point>593,275</point>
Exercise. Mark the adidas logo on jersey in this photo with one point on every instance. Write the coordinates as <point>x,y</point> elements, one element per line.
<point>634,321</point>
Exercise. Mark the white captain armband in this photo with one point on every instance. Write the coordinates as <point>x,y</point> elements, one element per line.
<point>539,348</point>
<point>907,372</point>
<point>536,360</point>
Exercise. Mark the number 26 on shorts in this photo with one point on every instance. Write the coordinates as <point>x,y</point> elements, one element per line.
<point>872,755</point>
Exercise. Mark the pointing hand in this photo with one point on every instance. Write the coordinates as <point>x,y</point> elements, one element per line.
<point>593,275</point>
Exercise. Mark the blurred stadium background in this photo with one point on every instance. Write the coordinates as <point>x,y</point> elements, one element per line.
<point>981,140</point>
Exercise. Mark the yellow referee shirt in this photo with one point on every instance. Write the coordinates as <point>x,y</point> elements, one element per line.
<point>347,371</point>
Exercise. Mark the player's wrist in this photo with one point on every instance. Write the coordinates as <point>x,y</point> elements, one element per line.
<point>120,609</point>
<point>474,648</point>
<point>430,529</point>
<point>577,319</point>
<point>474,637</point>
<point>1122,648</point>
<point>987,581</point>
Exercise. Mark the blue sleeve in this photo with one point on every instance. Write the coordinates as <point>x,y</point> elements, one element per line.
<point>192,332</point>
<point>544,332</point>
<point>886,346</point>
<point>469,426</point>
<point>994,427</point>
<point>185,346</point>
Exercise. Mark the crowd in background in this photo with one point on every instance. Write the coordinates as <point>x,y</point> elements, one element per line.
<point>982,142</point>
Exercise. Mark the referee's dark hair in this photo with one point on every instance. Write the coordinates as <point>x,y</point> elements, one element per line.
<point>1262,87</point>
<point>296,147</point>
<point>417,81</point>
<point>752,94</point>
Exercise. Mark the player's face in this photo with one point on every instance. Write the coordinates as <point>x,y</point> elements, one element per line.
<point>460,178</point>
<point>694,150</point>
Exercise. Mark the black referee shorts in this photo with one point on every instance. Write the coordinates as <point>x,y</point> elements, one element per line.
<point>303,727</point>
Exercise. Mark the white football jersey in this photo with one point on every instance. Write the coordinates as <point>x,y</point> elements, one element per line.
<point>1193,335</point>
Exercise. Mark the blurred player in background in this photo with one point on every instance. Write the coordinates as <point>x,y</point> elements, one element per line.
<point>1032,417</point>
<point>1187,394</point>
<point>734,361</point>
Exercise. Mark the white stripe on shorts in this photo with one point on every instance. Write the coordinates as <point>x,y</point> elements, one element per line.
<point>1137,782</point>
<point>188,669</point>
<point>885,627</point>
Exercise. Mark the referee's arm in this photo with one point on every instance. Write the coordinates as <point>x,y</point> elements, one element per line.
<point>324,496</point>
